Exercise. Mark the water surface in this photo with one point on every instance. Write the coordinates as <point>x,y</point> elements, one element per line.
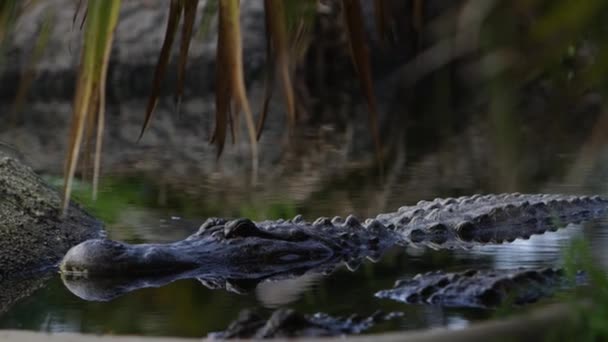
<point>188,308</point>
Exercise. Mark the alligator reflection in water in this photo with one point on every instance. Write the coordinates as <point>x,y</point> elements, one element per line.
<point>481,288</point>
<point>239,253</point>
<point>107,288</point>
<point>289,323</point>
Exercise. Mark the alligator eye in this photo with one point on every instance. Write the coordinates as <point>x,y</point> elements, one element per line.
<point>242,227</point>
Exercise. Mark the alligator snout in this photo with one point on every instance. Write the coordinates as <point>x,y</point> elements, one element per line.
<point>97,255</point>
<point>102,257</point>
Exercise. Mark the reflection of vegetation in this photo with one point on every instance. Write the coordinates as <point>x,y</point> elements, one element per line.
<point>271,211</point>
<point>116,195</point>
<point>512,44</point>
<point>231,94</point>
<point>592,323</point>
<point>89,101</point>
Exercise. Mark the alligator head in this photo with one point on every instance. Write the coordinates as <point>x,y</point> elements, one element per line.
<point>221,252</point>
<point>236,246</point>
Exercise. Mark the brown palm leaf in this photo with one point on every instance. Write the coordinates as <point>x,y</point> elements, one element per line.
<point>190,7</point>
<point>230,80</point>
<point>98,38</point>
<point>175,12</point>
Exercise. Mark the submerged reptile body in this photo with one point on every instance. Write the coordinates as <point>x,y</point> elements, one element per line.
<point>489,218</point>
<point>480,288</point>
<point>237,248</point>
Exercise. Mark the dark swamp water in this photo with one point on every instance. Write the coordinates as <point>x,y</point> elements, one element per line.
<point>514,109</point>
<point>188,308</point>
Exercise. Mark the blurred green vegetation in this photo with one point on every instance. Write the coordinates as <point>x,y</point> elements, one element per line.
<point>590,302</point>
<point>118,194</point>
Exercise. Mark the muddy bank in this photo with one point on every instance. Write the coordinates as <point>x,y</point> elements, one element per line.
<point>33,236</point>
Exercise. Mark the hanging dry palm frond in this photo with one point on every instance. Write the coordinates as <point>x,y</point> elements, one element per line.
<point>287,25</point>
<point>175,13</point>
<point>277,53</point>
<point>190,7</point>
<point>269,79</point>
<point>90,88</point>
<point>230,83</point>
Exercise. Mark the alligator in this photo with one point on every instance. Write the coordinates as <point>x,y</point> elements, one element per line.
<point>222,251</point>
<point>289,323</point>
<point>482,288</point>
